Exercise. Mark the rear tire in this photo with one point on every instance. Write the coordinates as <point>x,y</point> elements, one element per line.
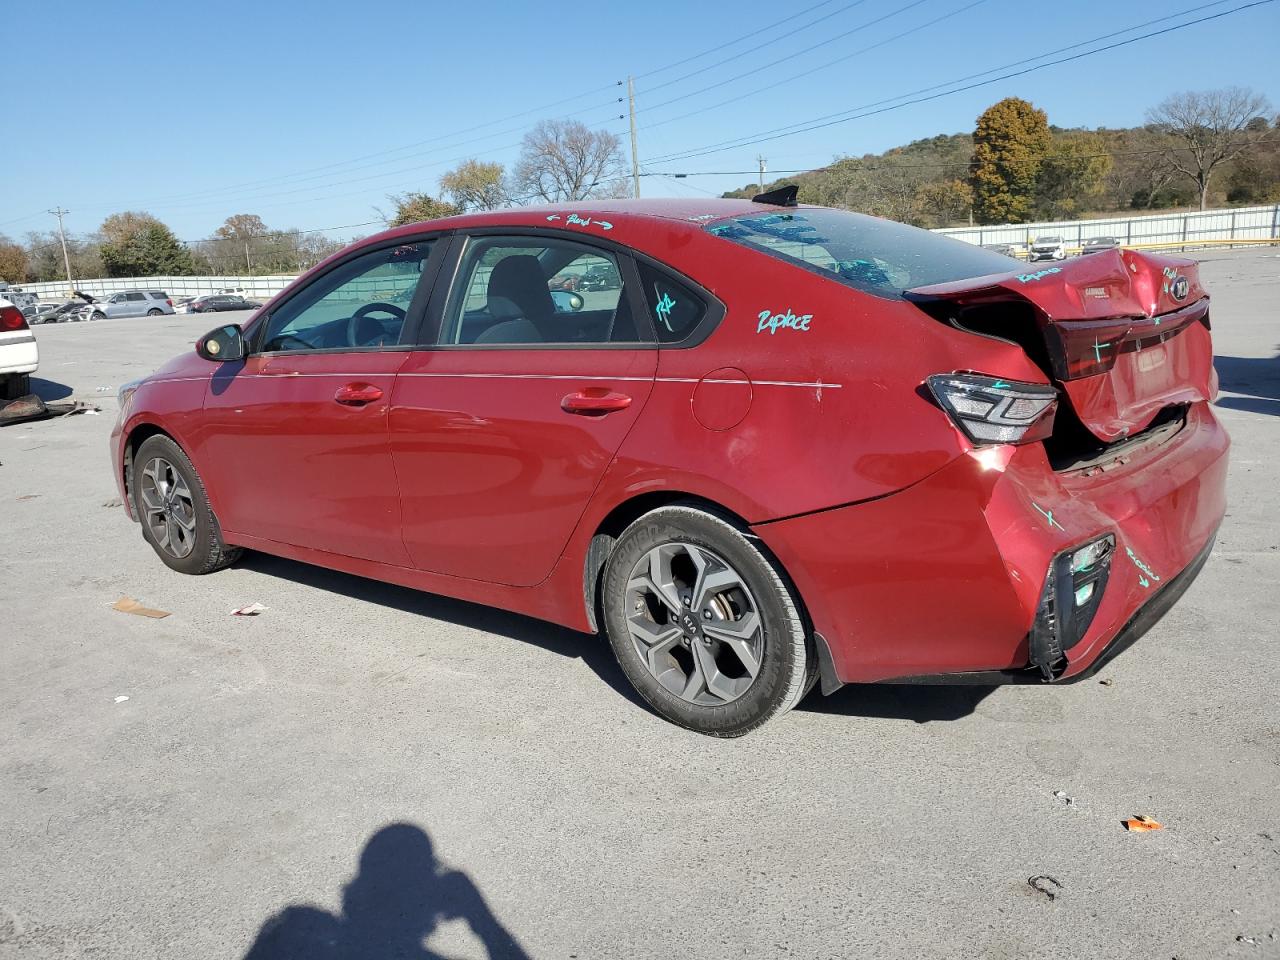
<point>722,663</point>
<point>15,385</point>
<point>170,501</point>
<point>155,313</point>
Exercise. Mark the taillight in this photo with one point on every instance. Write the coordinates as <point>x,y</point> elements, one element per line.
<point>1082,349</point>
<point>169,301</point>
<point>990,410</point>
<point>11,319</point>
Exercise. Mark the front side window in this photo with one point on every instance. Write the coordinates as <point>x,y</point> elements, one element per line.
<point>526,290</point>
<point>361,303</point>
<point>876,256</point>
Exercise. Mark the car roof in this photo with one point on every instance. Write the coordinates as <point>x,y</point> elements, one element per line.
<point>690,212</point>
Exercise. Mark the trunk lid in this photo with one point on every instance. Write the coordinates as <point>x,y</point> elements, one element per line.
<point>1123,335</point>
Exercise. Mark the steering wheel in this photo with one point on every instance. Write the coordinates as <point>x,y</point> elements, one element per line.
<point>356,320</point>
<point>282,341</point>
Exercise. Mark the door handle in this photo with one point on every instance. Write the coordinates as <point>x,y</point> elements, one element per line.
<point>594,402</point>
<point>357,394</point>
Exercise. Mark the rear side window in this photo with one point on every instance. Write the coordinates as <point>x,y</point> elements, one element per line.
<point>159,295</point>
<point>521,291</point>
<point>876,256</point>
<point>134,296</point>
<point>674,308</point>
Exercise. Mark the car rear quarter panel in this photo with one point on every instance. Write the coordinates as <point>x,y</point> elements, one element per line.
<point>837,413</point>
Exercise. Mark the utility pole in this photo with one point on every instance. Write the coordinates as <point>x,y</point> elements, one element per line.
<point>66,260</point>
<point>760,160</point>
<point>247,265</point>
<point>635,156</point>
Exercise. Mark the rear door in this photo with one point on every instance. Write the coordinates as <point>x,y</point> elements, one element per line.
<point>504,423</point>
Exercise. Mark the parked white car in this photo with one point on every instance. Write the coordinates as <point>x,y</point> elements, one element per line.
<point>19,355</point>
<point>1048,248</point>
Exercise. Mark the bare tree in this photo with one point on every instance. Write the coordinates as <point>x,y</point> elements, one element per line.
<point>565,160</point>
<point>1208,128</point>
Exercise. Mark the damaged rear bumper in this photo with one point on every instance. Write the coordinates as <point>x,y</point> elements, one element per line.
<point>946,580</point>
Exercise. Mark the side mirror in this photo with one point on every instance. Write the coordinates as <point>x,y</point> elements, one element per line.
<point>223,344</point>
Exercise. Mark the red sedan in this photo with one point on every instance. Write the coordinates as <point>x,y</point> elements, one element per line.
<point>795,445</point>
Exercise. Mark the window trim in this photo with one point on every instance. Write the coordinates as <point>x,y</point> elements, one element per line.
<point>440,241</point>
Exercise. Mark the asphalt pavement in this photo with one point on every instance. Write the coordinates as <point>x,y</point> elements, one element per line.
<point>367,771</point>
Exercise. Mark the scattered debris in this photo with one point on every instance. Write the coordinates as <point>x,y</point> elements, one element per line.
<point>130,605</point>
<point>1045,884</point>
<point>29,496</point>
<point>31,407</point>
<point>121,699</point>
<point>113,502</point>
<point>252,610</point>
<point>102,390</point>
<point>1142,824</point>
<point>1106,681</point>
<point>1062,795</point>
<point>1243,939</point>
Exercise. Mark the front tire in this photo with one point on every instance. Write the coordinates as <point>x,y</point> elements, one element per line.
<point>98,316</point>
<point>170,501</point>
<point>703,624</point>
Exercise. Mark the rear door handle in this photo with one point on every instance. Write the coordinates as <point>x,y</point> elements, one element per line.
<point>594,402</point>
<point>357,394</point>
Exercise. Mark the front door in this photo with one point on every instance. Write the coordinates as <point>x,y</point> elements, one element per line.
<point>296,436</point>
<point>501,432</point>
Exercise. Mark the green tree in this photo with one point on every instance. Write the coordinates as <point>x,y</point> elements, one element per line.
<point>1072,177</point>
<point>412,207</point>
<point>945,202</point>
<point>1010,143</point>
<point>475,185</point>
<point>13,261</point>
<point>150,250</point>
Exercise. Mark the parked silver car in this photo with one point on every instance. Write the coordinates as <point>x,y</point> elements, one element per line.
<point>133,303</point>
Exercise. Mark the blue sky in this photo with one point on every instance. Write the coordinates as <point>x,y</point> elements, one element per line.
<point>311,114</point>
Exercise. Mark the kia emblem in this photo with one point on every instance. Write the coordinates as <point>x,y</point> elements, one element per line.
<point>1179,288</point>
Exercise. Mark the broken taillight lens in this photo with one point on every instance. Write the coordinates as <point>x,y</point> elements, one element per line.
<point>11,319</point>
<point>1082,349</point>
<point>991,410</point>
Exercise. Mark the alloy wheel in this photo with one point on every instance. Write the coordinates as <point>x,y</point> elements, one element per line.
<point>169,507</point>
<point>694,623</point>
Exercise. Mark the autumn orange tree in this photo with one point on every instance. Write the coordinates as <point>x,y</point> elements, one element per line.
<point>1010,145</point>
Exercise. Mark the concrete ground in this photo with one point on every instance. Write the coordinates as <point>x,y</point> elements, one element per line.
<point>250,786</point>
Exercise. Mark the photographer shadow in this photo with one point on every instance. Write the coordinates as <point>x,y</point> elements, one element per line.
<point>391,908</point>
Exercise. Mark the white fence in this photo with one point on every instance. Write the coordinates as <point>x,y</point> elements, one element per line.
<point>255,288</point>
<point>1191,229</point>
<point>1185,229</point>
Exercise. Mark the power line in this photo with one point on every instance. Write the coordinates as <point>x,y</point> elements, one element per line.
<point>211,194</point>
<point>805,73</point>
<point>809,49</point>
<point>827,121</point>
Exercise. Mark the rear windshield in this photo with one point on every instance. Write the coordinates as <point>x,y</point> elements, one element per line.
<point>876,256</point>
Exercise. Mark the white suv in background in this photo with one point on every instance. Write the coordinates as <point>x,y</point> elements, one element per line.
<point>1048,248</point>
<point>19,355</point>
